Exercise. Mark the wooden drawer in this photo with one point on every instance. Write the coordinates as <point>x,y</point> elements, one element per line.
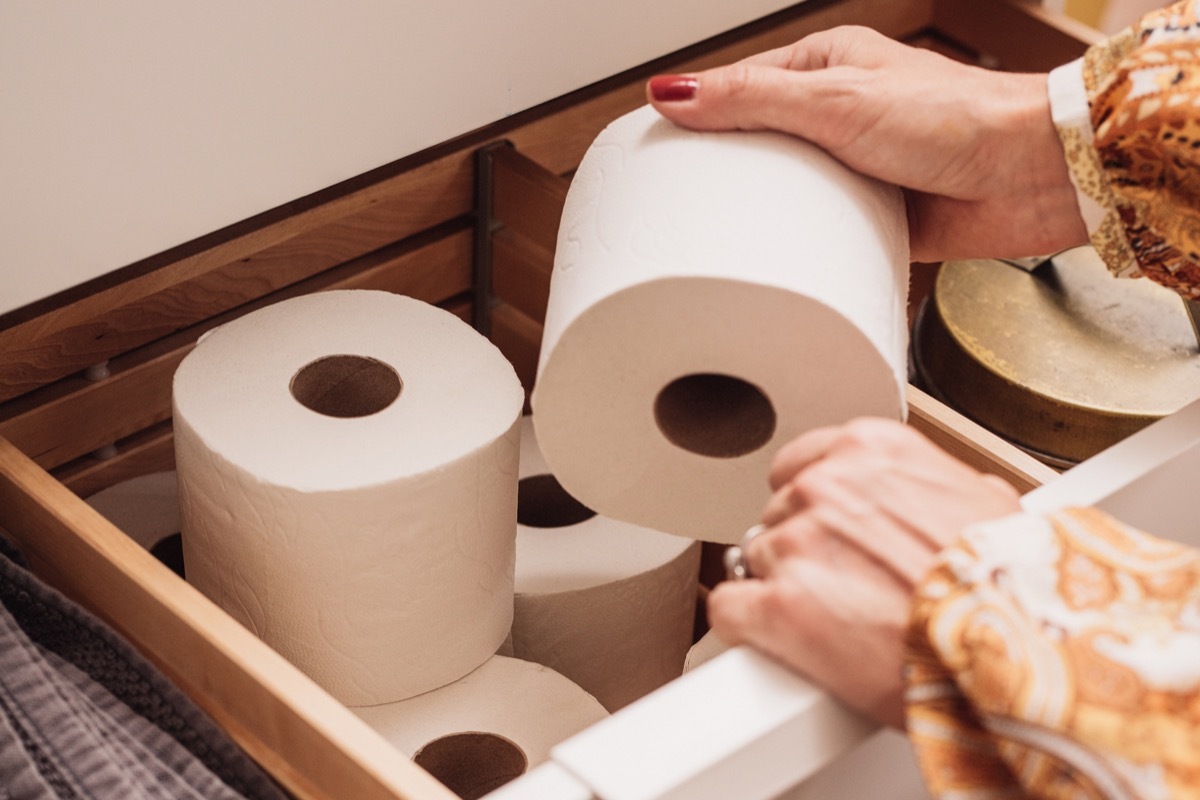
<point>469,225</point>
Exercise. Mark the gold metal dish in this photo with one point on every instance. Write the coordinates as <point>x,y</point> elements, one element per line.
<point>1063,360</point>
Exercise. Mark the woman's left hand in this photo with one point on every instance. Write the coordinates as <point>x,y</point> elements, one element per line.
<point>859,513</point>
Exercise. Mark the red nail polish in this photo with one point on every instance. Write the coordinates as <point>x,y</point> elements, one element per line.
<point>673,88</point>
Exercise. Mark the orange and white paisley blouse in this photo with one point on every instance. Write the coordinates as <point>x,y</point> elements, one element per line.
<point>1059,656</point>
<point>1128,114</point>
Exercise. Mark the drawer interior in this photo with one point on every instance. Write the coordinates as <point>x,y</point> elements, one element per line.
<point>470,226</point>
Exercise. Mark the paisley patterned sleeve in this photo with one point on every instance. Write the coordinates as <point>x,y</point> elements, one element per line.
<point>1134,150</point>
<point>1058,657</point>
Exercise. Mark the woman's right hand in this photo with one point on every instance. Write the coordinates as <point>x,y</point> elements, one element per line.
<point>858,516</point>
<point>975,150</point>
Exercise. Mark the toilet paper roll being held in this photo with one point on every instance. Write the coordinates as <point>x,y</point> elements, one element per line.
<point>487,727</point>
<point>609,605</point>
<point>146,509</point>
<point>347,469</point>
<point>714,295</point>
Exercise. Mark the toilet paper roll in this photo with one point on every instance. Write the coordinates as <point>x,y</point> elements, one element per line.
<point>714,295</point>
<point>146,509</point>
<point>709,647</point>
<point>488,727</point>
<point>347,482</point>
<point>609,605</point>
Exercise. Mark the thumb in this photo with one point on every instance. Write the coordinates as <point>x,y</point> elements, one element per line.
<point>811,104</point>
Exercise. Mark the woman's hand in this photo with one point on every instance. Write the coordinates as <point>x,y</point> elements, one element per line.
<point>857,516</point>
<point>975,150</point>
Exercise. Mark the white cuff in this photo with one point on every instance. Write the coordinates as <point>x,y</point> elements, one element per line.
<point>1069,110</point>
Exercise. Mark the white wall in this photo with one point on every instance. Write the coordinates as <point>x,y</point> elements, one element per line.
<point>130,126</point>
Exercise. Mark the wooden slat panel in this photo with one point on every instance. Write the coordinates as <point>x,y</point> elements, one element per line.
<point>519,338</point>
<point>1019,34</point>
<point>527,202</point>
<point>75,416</point>
<point>528,198</point>
<point>521,273</point>
<point>463,309</point>
<point>969,442</point>
<point>150,450</point>
<point>314,745</point>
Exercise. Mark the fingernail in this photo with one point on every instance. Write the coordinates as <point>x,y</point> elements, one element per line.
<point>673,88</point>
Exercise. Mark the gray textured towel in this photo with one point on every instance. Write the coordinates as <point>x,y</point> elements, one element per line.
<point>83,715</point>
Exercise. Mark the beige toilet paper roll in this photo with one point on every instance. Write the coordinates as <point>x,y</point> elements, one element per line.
<point>709,647</point>
<point>608,604</point>
<point>146,509</point>
<point>489,727</point>
<point>347,482</point>
<point>714,295</point>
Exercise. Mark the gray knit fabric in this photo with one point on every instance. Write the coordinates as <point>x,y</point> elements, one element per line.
<point>83,715</point>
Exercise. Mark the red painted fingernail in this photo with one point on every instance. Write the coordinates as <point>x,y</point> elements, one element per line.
<point>673,88</point>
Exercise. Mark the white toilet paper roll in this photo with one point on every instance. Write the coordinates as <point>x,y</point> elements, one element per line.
<point>714,295</point>
<point>146,509</point>
<point>488,727</point>
<point>609,605</point>
<point>347,477</point>
<point>709,647</point>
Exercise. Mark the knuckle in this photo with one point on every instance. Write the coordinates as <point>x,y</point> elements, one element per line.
<point>780,545</point>
<point>862,32</point>
<point>737,80</point>
<point>798,486</point>
<point>860,432</point>
<point>775,604</point>
<point>1001,486</point>
<point>880,434</point>
<point>809,483</point>
<point>808,487</point>
<point>727,624</point>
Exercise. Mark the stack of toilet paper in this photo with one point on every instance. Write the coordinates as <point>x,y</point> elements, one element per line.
<point>357,487</point>
<point>349,465</point>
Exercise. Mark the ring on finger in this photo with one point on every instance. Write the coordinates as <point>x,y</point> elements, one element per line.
<point>736,566</point>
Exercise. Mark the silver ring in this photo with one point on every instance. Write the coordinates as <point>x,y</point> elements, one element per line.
<point>735,564</point>
<point>736,568</point>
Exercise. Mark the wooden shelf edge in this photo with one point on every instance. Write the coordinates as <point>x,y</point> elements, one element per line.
<point>974,444</point>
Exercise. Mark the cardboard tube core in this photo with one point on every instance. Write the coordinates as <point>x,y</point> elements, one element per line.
<point>346,386</point>
<point>542,502</point>
<point>714,415</point>
<point>472,764</point>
